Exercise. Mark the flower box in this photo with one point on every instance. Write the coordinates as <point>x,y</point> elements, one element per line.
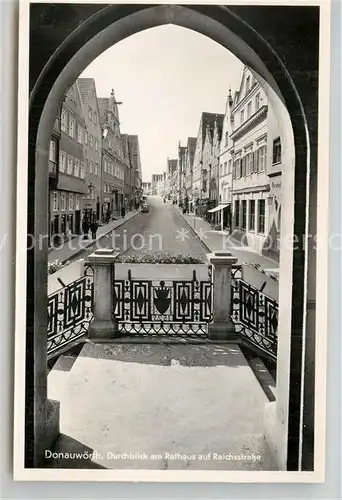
<point>162,271</point>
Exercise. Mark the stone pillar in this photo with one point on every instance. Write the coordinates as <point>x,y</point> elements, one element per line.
<point>222,327</point>
<point>103,327</point>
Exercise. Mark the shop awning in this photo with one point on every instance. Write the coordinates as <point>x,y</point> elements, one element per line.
<point>216,209</point>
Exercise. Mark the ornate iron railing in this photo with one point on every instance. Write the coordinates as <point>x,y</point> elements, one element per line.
<point>69,313</point>
<point>255,315</point>
<point>182,308</point>
<point>163,307</point>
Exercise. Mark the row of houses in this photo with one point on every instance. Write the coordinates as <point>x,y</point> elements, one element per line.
<point>231,172</point>
<point>94,169</point>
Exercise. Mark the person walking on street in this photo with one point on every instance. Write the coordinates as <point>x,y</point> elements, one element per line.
<point>85,228</point>
<point>94,228</point>
<point>123,211</point>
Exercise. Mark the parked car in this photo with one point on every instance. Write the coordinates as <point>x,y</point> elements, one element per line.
<point>145,208</point>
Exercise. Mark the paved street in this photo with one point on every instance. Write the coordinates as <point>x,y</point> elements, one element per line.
<point>161,229</point>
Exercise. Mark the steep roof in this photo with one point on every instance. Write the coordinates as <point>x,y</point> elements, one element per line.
<point>208,120</point>
<point>219,125</point>
<point>103,103</point>
<point>191,144</point>
<point>85,85</point>
<point>173,165</point>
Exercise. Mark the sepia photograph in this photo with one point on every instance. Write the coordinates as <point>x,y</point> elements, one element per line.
<point>171,241</point>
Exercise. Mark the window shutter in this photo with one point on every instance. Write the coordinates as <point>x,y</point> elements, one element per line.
<point>256,160</point>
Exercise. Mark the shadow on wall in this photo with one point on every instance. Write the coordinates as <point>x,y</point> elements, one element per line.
<point>270,246</point>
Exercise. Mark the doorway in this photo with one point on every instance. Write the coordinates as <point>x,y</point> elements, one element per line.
<point>78,222</point>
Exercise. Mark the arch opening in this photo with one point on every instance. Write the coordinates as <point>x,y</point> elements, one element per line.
<point>72,58</point>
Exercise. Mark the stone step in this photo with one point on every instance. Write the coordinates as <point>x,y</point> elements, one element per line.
<point>157,401</point>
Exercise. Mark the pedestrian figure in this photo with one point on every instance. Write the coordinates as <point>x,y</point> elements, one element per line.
<point>85,228</point>
<point>94,228</point>
<point>123,212</point>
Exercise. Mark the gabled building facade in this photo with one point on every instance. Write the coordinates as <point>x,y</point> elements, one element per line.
<point>172,179</point>
<point>129,175</point>
<point>250,182</point>
<point>214,166</point>
<point>113,167</point>
<point>135,163</point>
<point>69,154</point>
<point>181,194</point>
<point>93,148</point>
<point>223,217</point>
<point>188,177</point>
<point>200,189</point>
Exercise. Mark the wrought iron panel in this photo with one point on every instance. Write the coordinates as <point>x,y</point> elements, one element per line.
<point>255,316</point>
<point>69,313</point>
<point>184,294</point>
<point>170,307</point>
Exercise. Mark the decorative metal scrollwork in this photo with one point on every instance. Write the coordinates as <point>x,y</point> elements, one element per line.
<point>255,316</point>
<point>69,313</point>
<point>150,306</point>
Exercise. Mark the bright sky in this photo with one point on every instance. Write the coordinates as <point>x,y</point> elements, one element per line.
<point>165,77</point>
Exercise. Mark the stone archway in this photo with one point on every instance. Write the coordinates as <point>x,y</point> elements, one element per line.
<point>101,30</point>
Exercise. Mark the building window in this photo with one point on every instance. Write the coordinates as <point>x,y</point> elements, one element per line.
<point>242,116</point>
<point>276,151</point>
<point>237,213</point>
<point>225,168</point>
<point>96,144</point>
<point>238,168</point>
<point>249,163</point>
<point>64,121</point>
<point>244,214</point>
<point>105,187</point>
<point>226,139</point>
<point>90,113</point>
<point>76,167</point>
<point>221,170</point>
<point>249,109</point>
<point>251,224</point>
<point>54,201</point>
<point>91,166</point>
<point>82,172</point>
<point>70,164</point>
<point>62,161</point>
<point>79,134</point>
<point>63,202</point>
<point>248,84</point>
<point>105,163</point>
<point>95,117</point>
<point>230,167</point>
<point>71,202</point>
<point>261,216</point>
<point>257,102</point>
<point>85,137</point>
<point>261,159</point>
<point>96,172</point>
<point>77,202</point>
<point>90,140</point>
<point>53,151</point>
<point>243,166</point>
<point>71,127</point>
